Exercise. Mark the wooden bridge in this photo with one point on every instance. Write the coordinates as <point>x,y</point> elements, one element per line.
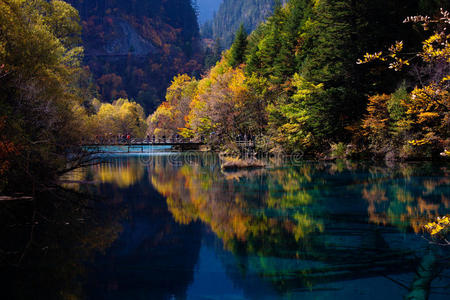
<point>139,145</point>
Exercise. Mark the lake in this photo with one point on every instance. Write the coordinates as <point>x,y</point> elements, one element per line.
<point>167,225</point>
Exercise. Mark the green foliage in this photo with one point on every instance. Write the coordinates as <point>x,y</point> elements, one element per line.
<point>264,46</point>
<point>339,150</point>
<point>396,109</point>
<point>304,88</point>
<point>239,47</point>
<point>292,120</point>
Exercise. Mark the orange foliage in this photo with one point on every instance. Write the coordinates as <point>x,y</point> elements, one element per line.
<point>7,149</point>
<point>378,114</point>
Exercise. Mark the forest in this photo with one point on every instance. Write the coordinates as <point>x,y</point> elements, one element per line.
<point>321,162</point>
<point>48,107</point>
<point>330,78</point>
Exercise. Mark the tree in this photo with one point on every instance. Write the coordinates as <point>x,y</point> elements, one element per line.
<point>292,121</point>
<point>265,46</point>
<point>119,118</point>
<point>297,12</point>
<point>39,55</point>
<point>213,55</point>
<point>172,114</point>
<point>426,108</point>
<point>239,47</point>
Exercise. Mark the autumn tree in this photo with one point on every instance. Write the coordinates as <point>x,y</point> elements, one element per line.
<point>170,117</point>
<point>39,55</point>
<point>426,108</point>
<point>119,118</point>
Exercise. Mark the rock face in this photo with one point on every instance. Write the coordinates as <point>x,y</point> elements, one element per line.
<point>134,47</point>
<point>128,41</point>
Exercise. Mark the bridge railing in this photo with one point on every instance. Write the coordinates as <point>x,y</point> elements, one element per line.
<point>139,141</point>
<point>100,141</point>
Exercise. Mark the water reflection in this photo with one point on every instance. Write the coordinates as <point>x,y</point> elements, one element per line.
<point>178,227</point>
<point>405,200</point>
<point>316,216</point>
<point>122,172</point>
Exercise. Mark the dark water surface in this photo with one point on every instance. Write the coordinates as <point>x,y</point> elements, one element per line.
<point>173,226</point>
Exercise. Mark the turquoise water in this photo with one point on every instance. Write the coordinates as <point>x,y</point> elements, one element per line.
<point>174,226</point>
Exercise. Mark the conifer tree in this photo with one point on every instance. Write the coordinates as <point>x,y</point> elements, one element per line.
<point>296,14</point>
<point>329,58</point>
<point>266,46</point>
<point>239,47</point>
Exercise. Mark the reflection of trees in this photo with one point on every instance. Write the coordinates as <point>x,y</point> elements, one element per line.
<point>71,254</point>
<point>401,199</point>
<point>46,241</point>
<point>120,172</point>
<point>238,210</point>
<point>294,218</point>
<point>154,256</point>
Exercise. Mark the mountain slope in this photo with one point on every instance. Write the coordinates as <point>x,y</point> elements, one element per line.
<point>233,13</point>
<point>134,48</point>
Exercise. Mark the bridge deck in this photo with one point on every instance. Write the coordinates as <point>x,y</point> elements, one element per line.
<point>143,147</point>
<point>143,144</point>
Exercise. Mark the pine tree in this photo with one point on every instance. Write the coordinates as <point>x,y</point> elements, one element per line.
<point>329,58</point>
<point>296,14</point>
<point>239,47</point>
<point>265,45</point>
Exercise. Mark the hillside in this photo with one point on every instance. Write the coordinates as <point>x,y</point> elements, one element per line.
<point>233,13</point>
<point>206,9</point>
<point>134,48</point>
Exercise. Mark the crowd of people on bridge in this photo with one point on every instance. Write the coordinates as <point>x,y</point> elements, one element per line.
<point>109,139</point>
<point>127,138</point>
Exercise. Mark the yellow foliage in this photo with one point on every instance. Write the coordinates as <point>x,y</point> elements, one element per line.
<point>435,47</point>
<point>439,227</point>
<point>370,57</point>
<point>377,118</point>
<point>418,142</point>
<point>121,117</point>
<point>171,116</point>
<point>427,107</point>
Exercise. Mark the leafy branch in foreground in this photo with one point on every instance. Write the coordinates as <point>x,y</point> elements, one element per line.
<point>439,230</point>
<point>425,109</point>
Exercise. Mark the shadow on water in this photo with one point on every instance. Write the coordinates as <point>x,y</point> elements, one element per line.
<point>177,227</point>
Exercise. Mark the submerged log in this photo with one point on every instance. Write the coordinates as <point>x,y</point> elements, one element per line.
<point>425,274</point>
